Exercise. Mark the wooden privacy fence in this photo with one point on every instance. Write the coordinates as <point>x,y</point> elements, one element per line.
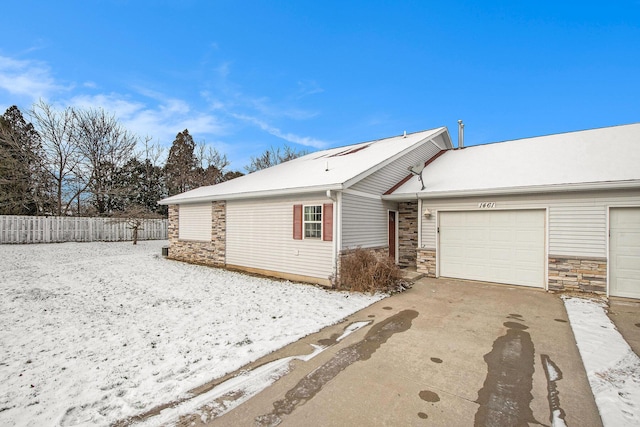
<point>53,229</point>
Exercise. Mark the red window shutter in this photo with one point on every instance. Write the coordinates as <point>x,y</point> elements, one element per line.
<point>327,221</point>
<point>297,222</point>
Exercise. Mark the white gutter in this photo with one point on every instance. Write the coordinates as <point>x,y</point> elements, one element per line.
<point>175,200</point>
<point>555,188</point>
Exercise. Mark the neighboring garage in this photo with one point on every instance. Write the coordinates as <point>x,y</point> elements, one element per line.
<point>624,252</point>
<point>558,212</point>
<point>493,246</point>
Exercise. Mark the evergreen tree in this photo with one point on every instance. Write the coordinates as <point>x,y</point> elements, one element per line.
<point>180,169</point>
<point>22,182</point>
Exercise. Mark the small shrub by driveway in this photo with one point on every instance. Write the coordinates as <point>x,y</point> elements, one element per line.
<point>91,333</point>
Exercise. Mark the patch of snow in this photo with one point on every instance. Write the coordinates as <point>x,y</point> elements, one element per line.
<point>613,369</point>
<point>556,419</point>
<point>92,333</point>
<point>246,385</point>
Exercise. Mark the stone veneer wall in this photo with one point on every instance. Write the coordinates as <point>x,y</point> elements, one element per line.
<point>196,252</point>
<point>427,262</point>
<point>407,233</point>
<point>568,273</point>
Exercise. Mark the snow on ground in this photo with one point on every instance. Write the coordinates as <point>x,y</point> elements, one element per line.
<point>612,367</point>
<point>91,333</point>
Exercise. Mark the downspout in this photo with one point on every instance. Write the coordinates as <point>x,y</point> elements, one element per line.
<point>337,229</point>
<point>419,226</point>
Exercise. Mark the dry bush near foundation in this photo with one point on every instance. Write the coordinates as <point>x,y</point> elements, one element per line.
<point>362,271</point>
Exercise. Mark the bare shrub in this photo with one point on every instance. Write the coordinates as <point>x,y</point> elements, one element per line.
<point>362,271</point>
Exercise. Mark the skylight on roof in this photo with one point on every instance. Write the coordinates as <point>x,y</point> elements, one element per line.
<point>350,151</point>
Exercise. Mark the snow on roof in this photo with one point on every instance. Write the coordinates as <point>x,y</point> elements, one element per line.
<point>331,169</point>
<point>555,162</point>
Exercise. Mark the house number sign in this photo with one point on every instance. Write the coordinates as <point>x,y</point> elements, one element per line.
<point>486,205</point>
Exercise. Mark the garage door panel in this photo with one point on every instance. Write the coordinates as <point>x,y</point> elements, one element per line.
<point>496,246</point>
<point>624,256</point>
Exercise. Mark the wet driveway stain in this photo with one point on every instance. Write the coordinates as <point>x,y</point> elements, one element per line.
<point>423,415</point>
<point>429,396</point>
<point>505,397</point>
<point>387,308</point>
<point>560,320</point>
<point>311,384</point>
<point>514,325</point>
<point>436,360</point>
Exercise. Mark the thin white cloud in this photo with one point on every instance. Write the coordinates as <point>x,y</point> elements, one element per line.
<point>307,88</point>
<point>161,122</point>
<point>287,136</point>
<point>27,78</point>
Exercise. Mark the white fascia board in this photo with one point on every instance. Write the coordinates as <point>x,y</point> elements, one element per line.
<point>384,163</point>
<point>252,195</point>
<point>534,189</point>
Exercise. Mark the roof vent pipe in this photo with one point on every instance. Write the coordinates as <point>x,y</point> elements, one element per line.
<point>405,134</point>
<point>460,134</point>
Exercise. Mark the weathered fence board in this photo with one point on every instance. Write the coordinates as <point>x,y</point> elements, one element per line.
<point>52,229</point>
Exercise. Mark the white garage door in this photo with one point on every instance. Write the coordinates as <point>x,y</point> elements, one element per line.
<point>624,248</point>
<point>493,246</point>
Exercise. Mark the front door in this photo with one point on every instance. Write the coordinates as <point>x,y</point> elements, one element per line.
<point>392,234</point>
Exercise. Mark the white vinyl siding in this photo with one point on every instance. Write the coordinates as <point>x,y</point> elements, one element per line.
<point>194,222</point>
<point>365,217</point>
<point>260,235</point>
<point>624,260</point>
<point>502,246</point>
<point>577,221</point>
<point>364,221</point>
<point>385,178</point>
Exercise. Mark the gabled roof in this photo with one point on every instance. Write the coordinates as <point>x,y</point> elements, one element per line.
<point>590,159</point>
<point>332,169</point>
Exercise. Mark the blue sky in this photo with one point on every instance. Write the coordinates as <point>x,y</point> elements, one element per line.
<point>244,76</point>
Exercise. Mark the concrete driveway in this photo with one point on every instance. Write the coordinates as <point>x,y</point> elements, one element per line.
<point>445,353</point>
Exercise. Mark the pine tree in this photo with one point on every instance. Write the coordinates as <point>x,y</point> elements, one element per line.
<point>23,190</point>
<point>180,169</point>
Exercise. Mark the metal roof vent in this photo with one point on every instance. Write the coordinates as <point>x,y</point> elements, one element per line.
<point>460,134</point>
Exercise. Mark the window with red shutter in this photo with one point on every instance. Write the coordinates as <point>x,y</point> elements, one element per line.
<point>297,222</point>
<point>327,222</point>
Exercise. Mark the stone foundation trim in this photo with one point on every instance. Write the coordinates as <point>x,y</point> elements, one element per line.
<point>194,252</point>
<point>211,253</point>
<point>426,262</point>
<point>581,274</point>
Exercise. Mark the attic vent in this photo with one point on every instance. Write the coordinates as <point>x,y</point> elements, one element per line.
<point>351,151</point>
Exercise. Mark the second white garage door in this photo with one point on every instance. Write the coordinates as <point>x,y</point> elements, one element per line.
<point>624,247</point>
<point>493,246</point>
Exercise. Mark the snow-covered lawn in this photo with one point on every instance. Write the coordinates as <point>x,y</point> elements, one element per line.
<point>91,333</point>
<point>613,369</point>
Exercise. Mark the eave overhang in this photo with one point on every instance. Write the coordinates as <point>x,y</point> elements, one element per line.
<point>251,194</point>
<point>533,189</point>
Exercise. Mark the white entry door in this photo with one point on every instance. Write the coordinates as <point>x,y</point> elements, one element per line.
<point>493,246</point>
<point>624,252</point>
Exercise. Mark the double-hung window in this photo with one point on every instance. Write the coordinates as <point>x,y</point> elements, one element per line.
<point>312,222</point>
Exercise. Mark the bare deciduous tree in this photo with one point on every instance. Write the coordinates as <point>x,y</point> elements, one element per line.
<point>105,146</point>
<point>61,156</point>
<point>272,157</point>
